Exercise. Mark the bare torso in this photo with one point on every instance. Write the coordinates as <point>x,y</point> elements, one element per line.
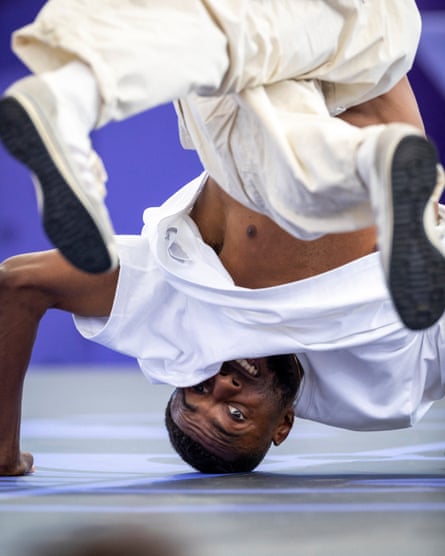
<point>257,253</point>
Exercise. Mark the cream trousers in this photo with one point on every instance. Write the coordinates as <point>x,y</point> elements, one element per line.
<point>258,83</point>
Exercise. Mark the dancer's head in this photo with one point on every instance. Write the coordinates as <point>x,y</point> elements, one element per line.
<point>227,423</point>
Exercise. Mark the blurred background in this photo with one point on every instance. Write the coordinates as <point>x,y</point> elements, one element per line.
<point>146,164</point>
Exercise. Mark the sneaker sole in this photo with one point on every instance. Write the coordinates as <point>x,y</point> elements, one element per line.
<point>417,268</point>
<point>66,221</point>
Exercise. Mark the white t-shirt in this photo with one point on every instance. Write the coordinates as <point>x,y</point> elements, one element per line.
<point>179,313</point>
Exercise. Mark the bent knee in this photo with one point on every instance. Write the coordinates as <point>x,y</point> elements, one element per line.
<point>10,274</point>
<point>21,281</point>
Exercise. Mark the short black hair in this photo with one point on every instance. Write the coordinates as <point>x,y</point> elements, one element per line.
<point>288,374</point>
<point>200,458</point>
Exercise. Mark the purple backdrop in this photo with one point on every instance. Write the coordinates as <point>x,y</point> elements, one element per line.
<point>146,164</point>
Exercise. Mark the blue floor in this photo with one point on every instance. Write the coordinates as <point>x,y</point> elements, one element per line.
<point>103,457</point>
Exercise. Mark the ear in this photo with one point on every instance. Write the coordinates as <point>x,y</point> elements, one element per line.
<point>283,428</point>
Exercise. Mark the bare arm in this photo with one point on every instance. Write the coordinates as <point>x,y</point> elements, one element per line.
<point>29,286</point>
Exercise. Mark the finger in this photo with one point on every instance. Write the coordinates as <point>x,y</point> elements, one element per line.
<point>27,462</point>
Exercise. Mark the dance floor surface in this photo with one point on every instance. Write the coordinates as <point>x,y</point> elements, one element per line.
<point>102,457</point>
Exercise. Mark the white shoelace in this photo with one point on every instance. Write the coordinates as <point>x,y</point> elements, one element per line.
<point>92,169</point>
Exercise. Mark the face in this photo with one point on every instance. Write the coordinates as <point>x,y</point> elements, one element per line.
<point>239,408</point>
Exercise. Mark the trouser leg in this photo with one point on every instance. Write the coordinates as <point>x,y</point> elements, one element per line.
<point>146,53</point>
<point>288,159</point>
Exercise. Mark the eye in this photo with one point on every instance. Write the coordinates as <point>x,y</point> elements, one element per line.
<point>235,413</point>
<point>200,388</point>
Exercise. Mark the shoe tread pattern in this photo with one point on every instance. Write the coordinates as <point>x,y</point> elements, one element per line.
<point>417,268</point>
<point>65,219</point>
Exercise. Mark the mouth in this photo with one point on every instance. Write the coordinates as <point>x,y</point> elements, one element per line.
<point>248,366</point>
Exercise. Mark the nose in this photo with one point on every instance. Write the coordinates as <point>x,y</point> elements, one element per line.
<point>225,385</point>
